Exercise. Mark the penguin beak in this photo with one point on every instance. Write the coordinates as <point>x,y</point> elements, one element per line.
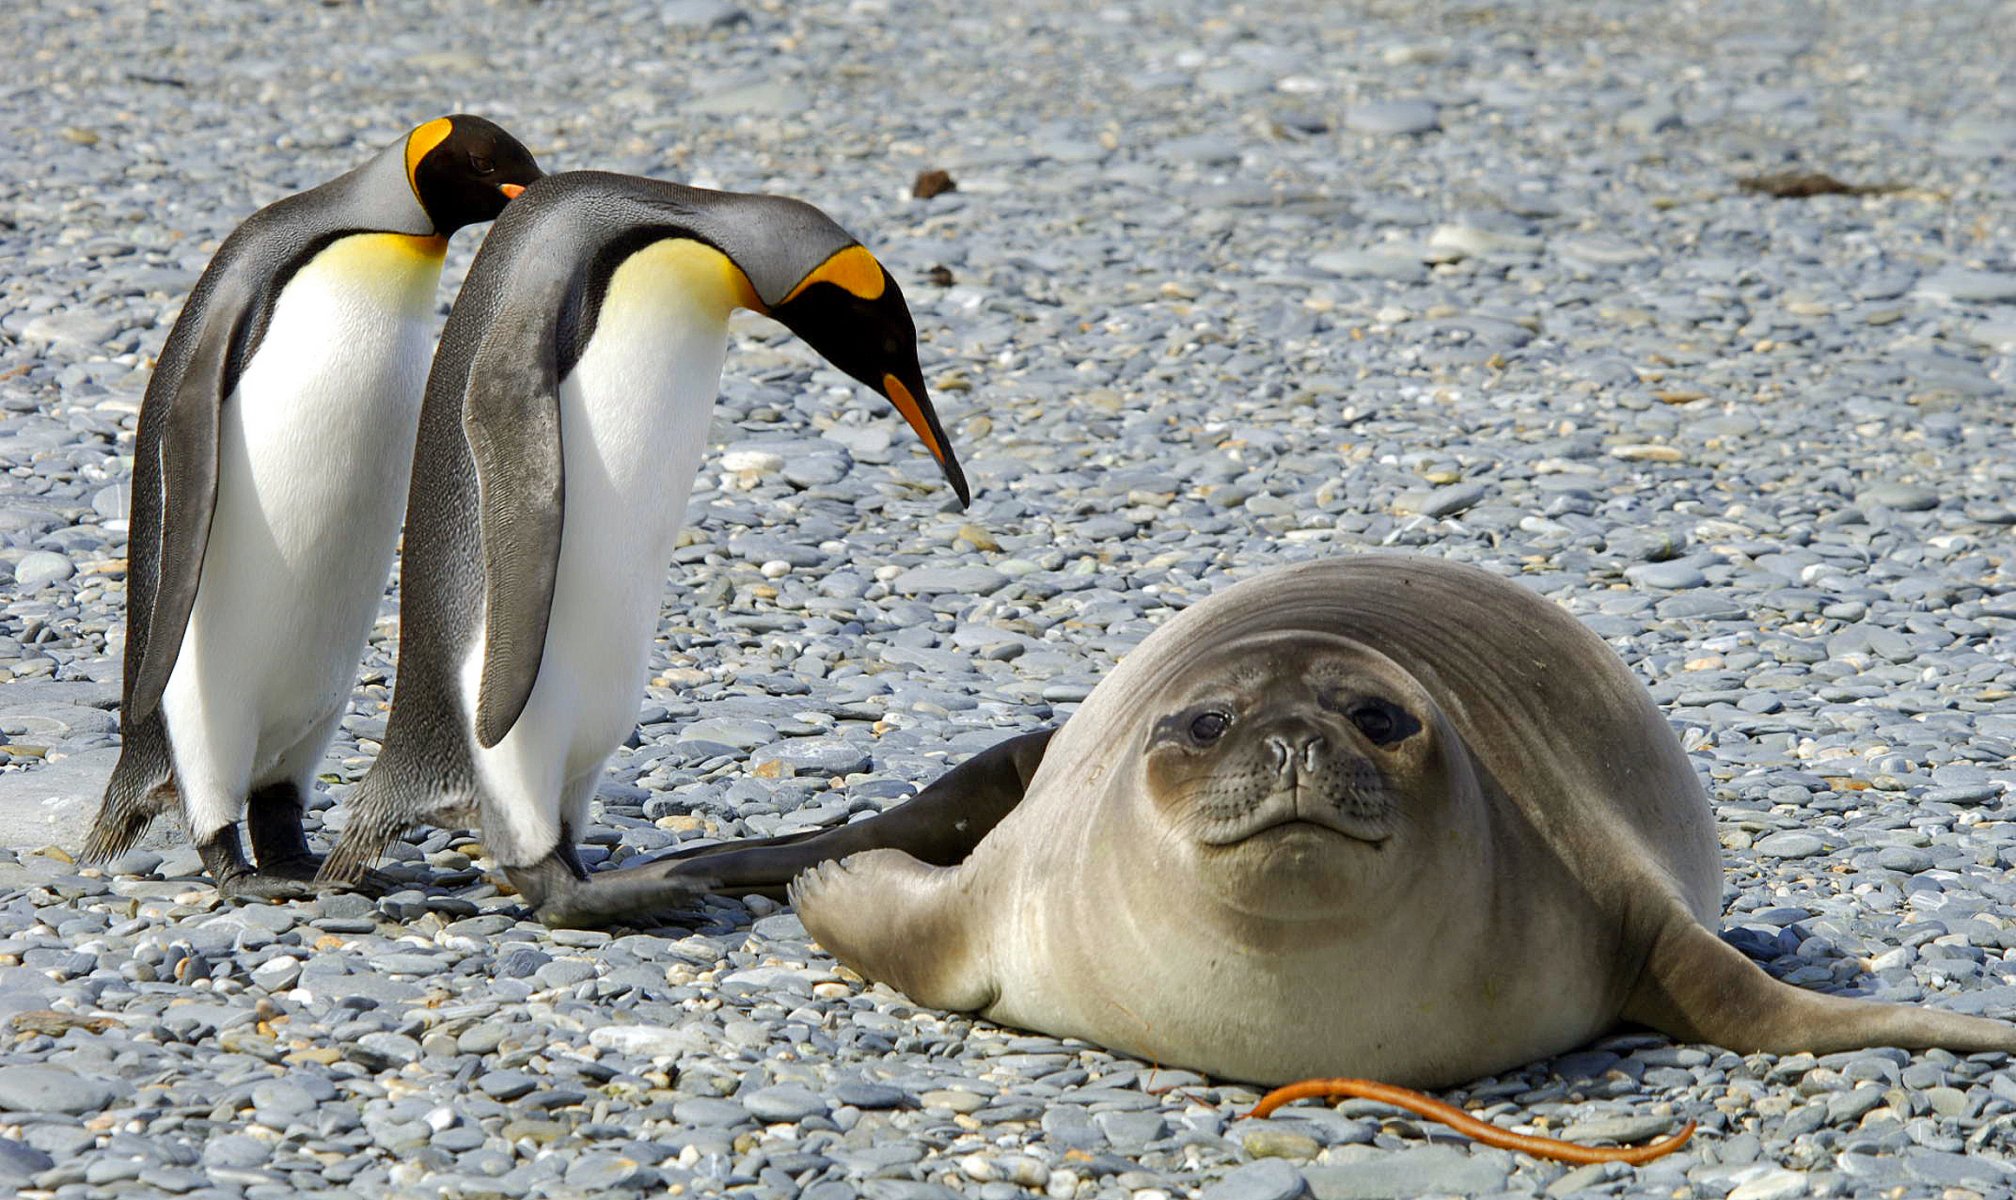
<point>511,190</point>
<point>910,400</point>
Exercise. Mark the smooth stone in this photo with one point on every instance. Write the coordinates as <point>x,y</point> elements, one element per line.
<point>52,1090</point>
<point>788,1103</point>
<point>1443,501</point>
<point>1790,843</point>
<point>1407,1173</point>
<point>1776,1184</point>
<point>1268,1179</point>
<point>20,1162</point>
<point>700,14</point>
<point>812,756</point>
<point>1672,576</point>
<point>710,1112</point>
<point>1654,117</point>
<point>1900,497</point>
<point>1391,117</point>
<point>81,329</point>
<point>648,1041</point>
<point>869,1095</point>
<point>41,568</point>
<point>1957,286</point>
<point>934,581</point>
<point>729,731</point>
<point>1397,265</point>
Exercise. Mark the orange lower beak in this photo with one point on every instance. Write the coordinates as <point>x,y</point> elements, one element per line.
<point>511,190</point>
<point>913,413</point>
<point>907,405</point>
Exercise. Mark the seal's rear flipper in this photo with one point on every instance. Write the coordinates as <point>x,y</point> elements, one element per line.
<point>915,927</point>
<point>1698,988</point>
<point>940,826</point>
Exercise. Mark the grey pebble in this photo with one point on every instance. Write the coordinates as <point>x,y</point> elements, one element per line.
<point>1267,1179</point>
<point>29,1089</point>
<point>1408,1173</point>
<point>1386,117</point>
<point>42,568</point>
<point>784,1102</point>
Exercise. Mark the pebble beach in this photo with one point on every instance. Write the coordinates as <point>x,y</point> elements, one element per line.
<point>1698,319</point>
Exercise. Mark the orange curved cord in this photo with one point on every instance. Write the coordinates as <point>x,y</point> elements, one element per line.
<point>1462,1122</point>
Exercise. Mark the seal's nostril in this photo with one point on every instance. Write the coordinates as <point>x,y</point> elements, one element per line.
<point>1313,747</point>
<point>1279,751</point>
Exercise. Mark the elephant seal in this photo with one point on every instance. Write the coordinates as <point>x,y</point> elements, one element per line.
<point>1375,816</point>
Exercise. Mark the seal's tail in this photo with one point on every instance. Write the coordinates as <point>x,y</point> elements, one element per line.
<point>1699,988</point>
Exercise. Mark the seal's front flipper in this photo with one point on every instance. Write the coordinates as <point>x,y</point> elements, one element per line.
<point>1698,988</point>
<point>940,826</point>
<point>905,923</point>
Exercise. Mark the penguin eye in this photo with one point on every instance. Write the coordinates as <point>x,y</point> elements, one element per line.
<point>1383,723</point>
<point>481,165</point>
<point>1208,727</point>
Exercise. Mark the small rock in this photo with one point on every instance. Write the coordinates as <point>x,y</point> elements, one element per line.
<point>1280,1143</point>
<point>933,183</point>
<point>1393,117</point>
<point>786,1103</point>
<point>1790,843</point>
<point>40,568</point>
<point>1268,1179</point>
<point>51,1090</point>
<point>934,581</point>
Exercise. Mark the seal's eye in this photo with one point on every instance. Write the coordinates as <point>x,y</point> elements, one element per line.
<point>1382,722</point>
<point>1208,727</point>
<point>481,165</point>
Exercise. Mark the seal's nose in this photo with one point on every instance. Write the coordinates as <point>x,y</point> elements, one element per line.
<point>1298,750</point>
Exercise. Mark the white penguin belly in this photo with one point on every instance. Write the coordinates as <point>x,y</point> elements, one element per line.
<point>634,416</point>
<point>315,452</point>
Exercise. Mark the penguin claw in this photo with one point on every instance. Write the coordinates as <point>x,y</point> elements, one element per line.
<point>259,886</point>
<point>307,869</point>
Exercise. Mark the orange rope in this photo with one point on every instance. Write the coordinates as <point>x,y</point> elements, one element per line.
<point>1462,1122</point>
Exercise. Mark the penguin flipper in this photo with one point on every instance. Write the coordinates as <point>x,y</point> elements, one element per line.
<point>511,418</point>
<point>185,473</point>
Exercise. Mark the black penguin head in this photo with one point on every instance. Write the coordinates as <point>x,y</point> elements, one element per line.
<point>465,169</point>
<point>850,311</point>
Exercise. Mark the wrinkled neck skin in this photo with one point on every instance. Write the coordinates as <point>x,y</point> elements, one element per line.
<point>1420,974</point>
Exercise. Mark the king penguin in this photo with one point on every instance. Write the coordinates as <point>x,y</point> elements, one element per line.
<point>565,419</point>
<point>274,441</point>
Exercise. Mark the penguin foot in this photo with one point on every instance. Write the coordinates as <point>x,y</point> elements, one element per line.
<point>306,868</point>
<point>255,885</point>
<point>563,897</point>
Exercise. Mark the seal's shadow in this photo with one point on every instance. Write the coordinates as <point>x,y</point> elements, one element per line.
<point>1780,955</point>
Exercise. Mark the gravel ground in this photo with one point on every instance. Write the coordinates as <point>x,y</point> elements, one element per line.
<point>1218,289</point>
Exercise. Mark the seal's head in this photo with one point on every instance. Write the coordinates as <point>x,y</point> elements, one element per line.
<point>1303,769</point>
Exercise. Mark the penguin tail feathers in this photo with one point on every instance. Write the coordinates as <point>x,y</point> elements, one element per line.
<point>376,821</point>
<point>132,801</point>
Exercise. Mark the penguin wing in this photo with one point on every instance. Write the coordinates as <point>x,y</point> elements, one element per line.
<point>183,472</point>
<point>511,418</point>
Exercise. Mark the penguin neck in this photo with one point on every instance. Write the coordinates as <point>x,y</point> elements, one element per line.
<point>686,279</point>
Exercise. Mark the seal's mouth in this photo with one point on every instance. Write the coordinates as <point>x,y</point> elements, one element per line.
<point>1302,809</point>
<point>1300,827</point>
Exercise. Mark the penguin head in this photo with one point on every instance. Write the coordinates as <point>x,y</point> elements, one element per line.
<point>849,309</point>
<point>464,170</point>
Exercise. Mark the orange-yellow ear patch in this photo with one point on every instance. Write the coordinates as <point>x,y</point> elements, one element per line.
<point>423,140</point>
<point>853,269</point>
